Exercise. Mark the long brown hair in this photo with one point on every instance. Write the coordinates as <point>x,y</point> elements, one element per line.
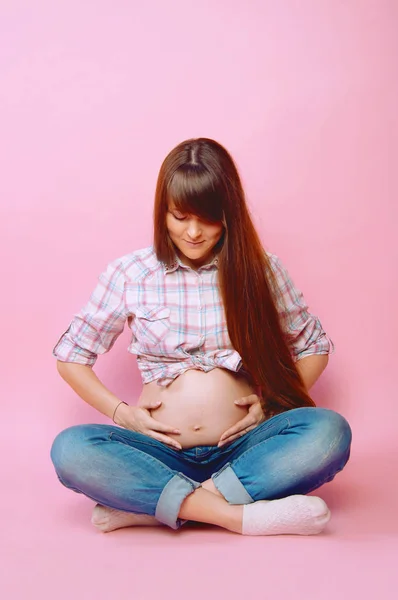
<point>201,178</point>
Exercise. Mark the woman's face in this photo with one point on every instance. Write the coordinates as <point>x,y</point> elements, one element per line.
<point>193,237</point>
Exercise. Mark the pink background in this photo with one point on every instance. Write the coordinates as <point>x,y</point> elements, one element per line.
<point>93,95</point>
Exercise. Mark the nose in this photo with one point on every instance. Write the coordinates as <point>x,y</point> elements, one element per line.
<point>193,229</point>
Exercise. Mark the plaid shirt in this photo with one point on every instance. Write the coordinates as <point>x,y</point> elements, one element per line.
<point>176,317</point>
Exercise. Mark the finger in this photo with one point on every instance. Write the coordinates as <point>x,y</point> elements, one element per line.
<point>240,425</point>
<point>150,404</point>
<point>257,413</point>
<point>155,425</point>
<point>165,439</point>
<point>252,399</point>
<point>229,440</point>
<point>235,437</point>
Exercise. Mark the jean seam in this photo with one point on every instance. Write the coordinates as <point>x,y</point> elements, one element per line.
<point>187,479</point>
<point>143,442</point>
<point>228,464</point>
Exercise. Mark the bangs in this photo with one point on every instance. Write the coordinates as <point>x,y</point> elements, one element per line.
<point>194,191</point>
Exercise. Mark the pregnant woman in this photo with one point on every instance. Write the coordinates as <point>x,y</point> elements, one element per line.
<point>224,431</point>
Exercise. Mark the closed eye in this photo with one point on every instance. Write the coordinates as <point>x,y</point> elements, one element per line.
<point>182,218</point>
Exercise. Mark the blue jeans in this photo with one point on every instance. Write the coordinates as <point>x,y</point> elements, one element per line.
<point>292,453</point>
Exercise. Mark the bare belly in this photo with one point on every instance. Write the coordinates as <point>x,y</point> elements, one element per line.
<point>201,405</point>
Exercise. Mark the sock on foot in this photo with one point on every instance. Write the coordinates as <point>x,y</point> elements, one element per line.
<point>108,519</point>
<point>302,515</point>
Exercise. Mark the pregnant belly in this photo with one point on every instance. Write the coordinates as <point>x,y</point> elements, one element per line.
<point>200,405</point>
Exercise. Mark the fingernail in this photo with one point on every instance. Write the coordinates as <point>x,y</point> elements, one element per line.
<point>176,431</point>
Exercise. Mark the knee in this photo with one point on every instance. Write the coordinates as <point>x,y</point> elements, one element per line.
<point>333,432</point>
<point>66,448</point>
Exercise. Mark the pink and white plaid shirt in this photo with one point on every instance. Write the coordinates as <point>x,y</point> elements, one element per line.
<point>176,317</point>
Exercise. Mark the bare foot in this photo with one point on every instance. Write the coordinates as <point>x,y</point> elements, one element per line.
<point>108,519</point>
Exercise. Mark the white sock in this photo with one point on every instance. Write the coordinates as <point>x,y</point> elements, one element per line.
<point>108,519</point>
<point>302,515</point>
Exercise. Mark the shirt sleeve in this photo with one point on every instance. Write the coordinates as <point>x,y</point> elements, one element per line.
<point>99,323</point>
<point>304,329</point>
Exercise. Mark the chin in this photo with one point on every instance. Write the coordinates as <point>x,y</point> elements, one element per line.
<point>197,253</point>
<point>193,252</point>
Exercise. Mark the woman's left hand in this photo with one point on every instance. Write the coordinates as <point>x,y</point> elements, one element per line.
<point>254,417</point>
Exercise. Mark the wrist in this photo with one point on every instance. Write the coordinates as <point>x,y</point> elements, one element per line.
<point>119,413</point>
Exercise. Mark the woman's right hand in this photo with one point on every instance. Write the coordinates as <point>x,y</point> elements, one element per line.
<point>138,418</point>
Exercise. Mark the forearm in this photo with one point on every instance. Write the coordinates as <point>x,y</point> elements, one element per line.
<point>86,384</point>
<point>311,368</point>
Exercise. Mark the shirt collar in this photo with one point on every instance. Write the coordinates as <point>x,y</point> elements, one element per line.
<point>173,266</point>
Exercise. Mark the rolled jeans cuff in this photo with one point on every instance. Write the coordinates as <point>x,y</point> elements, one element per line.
<point>171,498</point>
<point>228,484</point>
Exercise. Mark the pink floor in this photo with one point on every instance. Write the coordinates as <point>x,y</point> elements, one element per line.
<point>50,549</point>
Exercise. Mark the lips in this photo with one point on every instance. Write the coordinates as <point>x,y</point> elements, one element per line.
<point>193,243</point>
